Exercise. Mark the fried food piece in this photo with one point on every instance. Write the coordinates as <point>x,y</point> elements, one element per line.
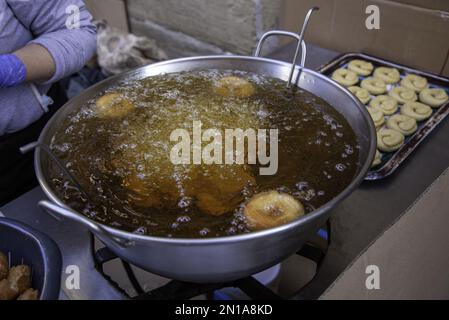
<point>234,87</point>
<point>113,105</point>
<point>4,267</point>
<point>29,294</point>
<point>19,278</point>
<point>6,292</point>
<point>271,209</point>
<point>221,190</point>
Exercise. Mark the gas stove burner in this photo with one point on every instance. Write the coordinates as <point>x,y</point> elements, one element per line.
<point>313,250</point>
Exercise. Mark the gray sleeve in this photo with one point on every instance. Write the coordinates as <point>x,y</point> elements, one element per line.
<point>63,27</point>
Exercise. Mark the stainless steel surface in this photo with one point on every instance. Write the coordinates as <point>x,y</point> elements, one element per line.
<point>225,258</point>
<point>300,44</point>
<point>424,129</point>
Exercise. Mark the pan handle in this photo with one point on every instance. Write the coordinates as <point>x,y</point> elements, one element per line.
<point>57,212</point>
<point>271,33</point>
<point>298,37</point>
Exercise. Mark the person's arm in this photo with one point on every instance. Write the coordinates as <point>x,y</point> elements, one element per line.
<point>57,51</point>
<point>39,63</point>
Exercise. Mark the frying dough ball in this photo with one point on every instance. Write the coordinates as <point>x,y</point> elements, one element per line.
<point>403,95</point>
<point>433,97</point>
<point>389,140</point>
<point>219,191</point>
<point>360,93</point>
<point>402,123</point>
<point>388,75</point>
<point>6,292</point>
<point>378,117</point>
<point>414,82</point>
<point>361,67</point>
<point>19,278</point>
<point>235,86</point>
<point>4,267</point>
<point>345,77</point>
<point>377,159</point>
<point>113,105</point>
<point>374,85</point>
<point>387,104</point>
<point>416,110</point>
<point>29,294</point>
<point>271,209</point>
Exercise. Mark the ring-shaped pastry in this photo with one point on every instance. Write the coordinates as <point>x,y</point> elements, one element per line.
<point>361,67</point>
<point>378,117</point>
<point>377,159</point>
<point>374,85</point>
<point>417,110</point>
<point>345,77</point>
<point>388,75</point>
<point>402,123</point>
<point>387,104</point>
<point>403,95</point>
<point>414,82</point>
<point>361,94</point>
<point>433,97</point>
<point>389,140</point>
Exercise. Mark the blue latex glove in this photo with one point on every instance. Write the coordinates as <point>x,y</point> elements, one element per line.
<point>12,71</point>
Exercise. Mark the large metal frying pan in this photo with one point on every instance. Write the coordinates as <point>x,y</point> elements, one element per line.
<point>224,258</point>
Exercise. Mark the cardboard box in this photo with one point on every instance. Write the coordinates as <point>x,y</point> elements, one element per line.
<point>411,35</point>
<point>411,255</point>
<point>113,11</point>
<point>429,4</point>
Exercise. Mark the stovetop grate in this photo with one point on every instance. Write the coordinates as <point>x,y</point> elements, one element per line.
<point>179,290</point>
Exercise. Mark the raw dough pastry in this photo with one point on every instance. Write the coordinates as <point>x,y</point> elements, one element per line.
<point>403,95</point>
<point>416,110</point>
<point>389,140</point>
<point>433,97</point>
<point>402,123</point>
<point>361,67</point>
<point>389,75</point>
<point>345,77</point>
<point>362,94</point>
<point>414,82</point>
<point>378,117</point>
<point>387,104</point>
<point>374,85</point>
<point>377,159</point>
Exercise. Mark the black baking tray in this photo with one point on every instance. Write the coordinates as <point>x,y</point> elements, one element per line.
<point>391,161</point>
<point>25,245</point>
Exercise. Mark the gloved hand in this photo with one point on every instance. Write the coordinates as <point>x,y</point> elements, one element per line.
<point>12,71</point>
